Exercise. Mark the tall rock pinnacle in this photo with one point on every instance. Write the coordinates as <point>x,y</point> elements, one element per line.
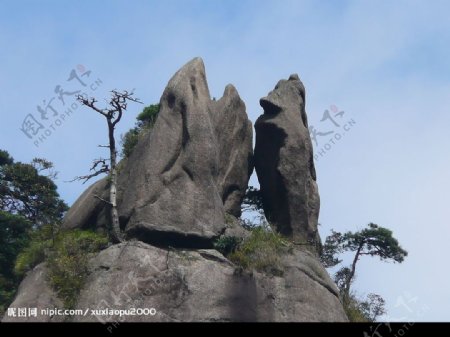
<point>284,163</point>
<point>183,177</point>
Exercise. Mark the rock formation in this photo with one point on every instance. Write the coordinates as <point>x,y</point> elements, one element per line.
<point>183,176</point>
<point>284,163</point>
<point>234,134</point>
<point>170,188</point>
<point>193,285</point>
<point>88,211</point>
<point>173,195</point>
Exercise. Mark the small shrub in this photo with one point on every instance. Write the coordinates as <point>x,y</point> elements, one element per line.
<point>66,254</point>
<point>68,262</point>
<point>227,244</point>
<point>363,309</point>
<point>36,251</point>
<point>261,251</point>
<point>31,256</point>
<point>353,310</point>
<point>129,141</point>
<point>144,122</point>
<point>7,292</point>
<point>147,117</point>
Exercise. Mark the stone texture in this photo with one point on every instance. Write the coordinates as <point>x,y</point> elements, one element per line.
<point>200,285</point>
<point>88,211</point>
<point>235,228</point>
<point>34,292</point>
<point>235,139</point>
<point>284,163</point>
<point>168,189</point>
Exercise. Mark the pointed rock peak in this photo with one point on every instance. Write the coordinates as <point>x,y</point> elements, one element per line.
<point>230,90</point>
<point>284,163</point>
<point>230,94</point>
<point>285,95</point>
<point>184,181</point>
<point>187,83</point>
<point>190,69</point>
<point>294,77</point>
<point>195,64</point>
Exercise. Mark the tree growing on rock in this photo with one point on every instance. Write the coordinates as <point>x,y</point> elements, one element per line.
<point>113,114</point>
<point>144,122</point>
<point>371,241</point>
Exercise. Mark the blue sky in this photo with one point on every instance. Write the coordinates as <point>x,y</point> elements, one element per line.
<point>386,64</point>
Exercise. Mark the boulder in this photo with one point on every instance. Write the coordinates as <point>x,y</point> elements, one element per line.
<point>35,293</point>
<point>89,211</point>
<point>168,191</point>
<point>198,286</point>
<point>284,163</point>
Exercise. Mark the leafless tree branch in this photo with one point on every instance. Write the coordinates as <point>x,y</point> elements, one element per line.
<point>97,171</point>
<point>90,102</point>
<point>101,199</point>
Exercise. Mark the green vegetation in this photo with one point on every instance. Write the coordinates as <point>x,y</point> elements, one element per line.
<point>263,249</point>
<point>32,255</point>
<point>14,237</point>
<point>145,122</point>
<point>364,310</point>
<point>66,255</point>
<point>227,244</point>
<point>28,202</point>
<point>261,252</point>
<point>28,190</point>
<point>372,241</point>
<point>68,262</point>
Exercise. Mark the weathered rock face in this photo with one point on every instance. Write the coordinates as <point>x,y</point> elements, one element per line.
<point>35,292</point>
<point>234,135</point>
<point>201,285</point>
<point>284,162</point>
<point>183,176</point>
<point>169,186</point>
<point>88,211</point>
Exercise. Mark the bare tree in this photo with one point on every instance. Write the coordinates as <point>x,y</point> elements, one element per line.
<point>113,114</point>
